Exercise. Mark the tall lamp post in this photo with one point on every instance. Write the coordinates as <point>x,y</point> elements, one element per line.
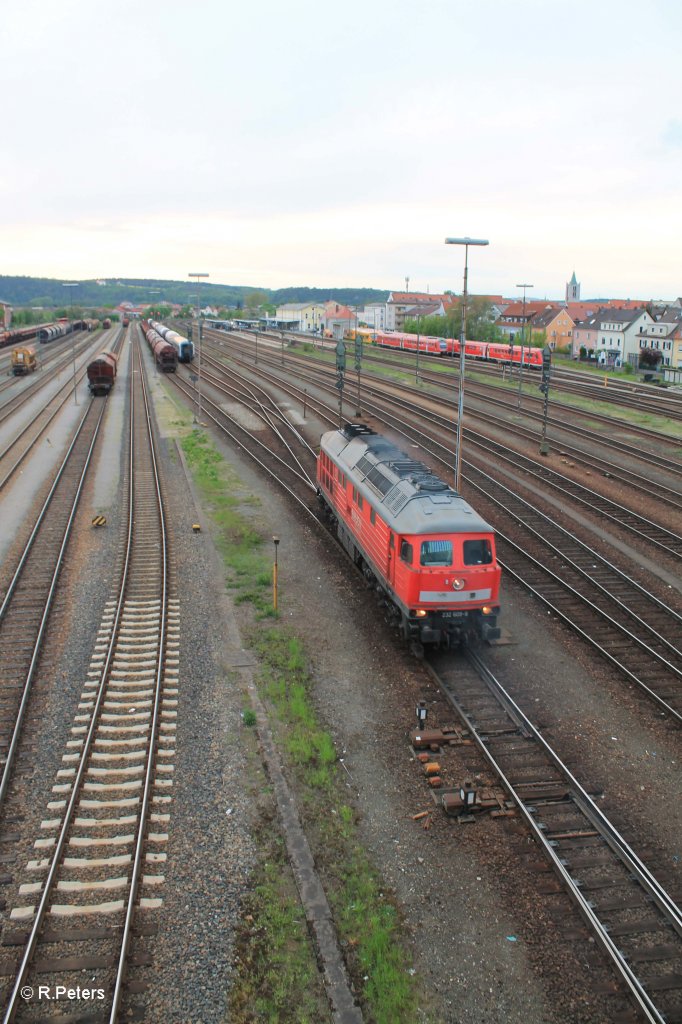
<point>523,326</point>
<point>72,284</point>
<point>198,279</point>
<point>466,242</point>
<point>416,371</point>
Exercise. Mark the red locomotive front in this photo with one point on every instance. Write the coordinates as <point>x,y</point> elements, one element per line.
<point>415,538</point>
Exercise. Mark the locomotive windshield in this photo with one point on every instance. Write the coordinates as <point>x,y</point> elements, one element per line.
<point>477,552</point>
<point>436,552</point>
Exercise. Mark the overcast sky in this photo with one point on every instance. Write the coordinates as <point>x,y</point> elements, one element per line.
<point>303,143</point>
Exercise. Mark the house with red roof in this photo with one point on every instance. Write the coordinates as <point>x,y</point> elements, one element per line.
<point>399,303</point>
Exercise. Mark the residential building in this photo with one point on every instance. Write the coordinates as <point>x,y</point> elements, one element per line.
<point>338,318</point>
<point>399,303</point>
<point>619,335</point>
<point>556,325</point>
<point>516,318</point>
<point>586,335</point>
<point>5,314</point>
<point>374,315</point>
<point>661,335</point>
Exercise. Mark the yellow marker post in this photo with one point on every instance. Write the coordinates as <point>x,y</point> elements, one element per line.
<point>275,541</point>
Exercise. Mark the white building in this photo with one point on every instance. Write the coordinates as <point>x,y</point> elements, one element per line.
<point>618,335</point>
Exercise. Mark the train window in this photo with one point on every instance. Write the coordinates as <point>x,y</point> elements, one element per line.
<point>436,552</point>
<point>391,540</point>
<point>361,502</point>
<point>477,552</point>
<point>372,516</point>
<point>406,552</point>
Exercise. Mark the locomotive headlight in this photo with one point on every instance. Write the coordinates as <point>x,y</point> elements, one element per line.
<point>458,584</point>
<point>420,613</point>
<point>486,609</point>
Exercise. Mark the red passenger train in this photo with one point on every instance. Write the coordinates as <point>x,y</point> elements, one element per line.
<point>489,352</point>
<point>423,547</point>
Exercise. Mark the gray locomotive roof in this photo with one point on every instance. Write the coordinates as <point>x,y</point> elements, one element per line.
<point>410,497</point>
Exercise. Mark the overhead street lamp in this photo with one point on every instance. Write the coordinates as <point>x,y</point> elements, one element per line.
<point>72,284</point>
<point>523,325</point>
<point>198,277</point>
<point>466,242</point>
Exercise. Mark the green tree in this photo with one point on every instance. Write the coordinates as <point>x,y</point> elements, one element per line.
<point>649,358</point>
<point>254,301</point>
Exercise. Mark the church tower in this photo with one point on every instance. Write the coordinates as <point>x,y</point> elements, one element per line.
<point>573,290</point>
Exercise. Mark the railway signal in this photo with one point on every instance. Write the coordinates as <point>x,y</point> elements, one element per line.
<point>358,367</point>
<point>340,372</point>
<point>544,387</point>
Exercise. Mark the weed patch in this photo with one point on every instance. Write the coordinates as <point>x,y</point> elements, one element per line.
<point>239,542</point>
<point>368,923</point>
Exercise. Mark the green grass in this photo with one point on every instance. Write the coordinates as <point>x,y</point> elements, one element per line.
<point>278,980</point>
<point>368,923</point>
<point>249,571</point>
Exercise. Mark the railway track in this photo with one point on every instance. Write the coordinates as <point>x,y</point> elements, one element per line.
<point>28,597</point>
<point>655,533</point>
<point>560,423</point>
<point>637,633</point>
<point>23,443</point>
<point>39,380</point>
<point>629,913</point>
<point>632,917</point>
<point>100,845</point>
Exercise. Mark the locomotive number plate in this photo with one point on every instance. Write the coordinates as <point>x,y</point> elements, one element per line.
<point>451,615</point>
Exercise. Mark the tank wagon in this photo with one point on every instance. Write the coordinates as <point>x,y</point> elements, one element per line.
<point>165,356</point>
<point>427,552</point>
<point>102,373</point>
<point>24,360</point>
<point>182,345</point>
<point>53,331</point>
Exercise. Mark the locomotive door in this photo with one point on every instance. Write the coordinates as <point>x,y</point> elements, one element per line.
<point>390,568</point>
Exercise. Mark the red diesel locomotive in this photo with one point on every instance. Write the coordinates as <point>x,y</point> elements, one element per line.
<point>416,540</point>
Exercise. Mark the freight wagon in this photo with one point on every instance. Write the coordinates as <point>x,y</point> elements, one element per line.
<point>102,373</point>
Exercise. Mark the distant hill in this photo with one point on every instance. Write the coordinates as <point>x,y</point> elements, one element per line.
<point>51,293</point>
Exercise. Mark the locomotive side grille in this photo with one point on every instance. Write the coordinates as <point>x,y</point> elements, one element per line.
<point>397,499</point>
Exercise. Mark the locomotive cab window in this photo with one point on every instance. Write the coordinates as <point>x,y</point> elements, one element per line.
<point>436,552</point>
<point>477,552</point>
<point>406,552</point>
